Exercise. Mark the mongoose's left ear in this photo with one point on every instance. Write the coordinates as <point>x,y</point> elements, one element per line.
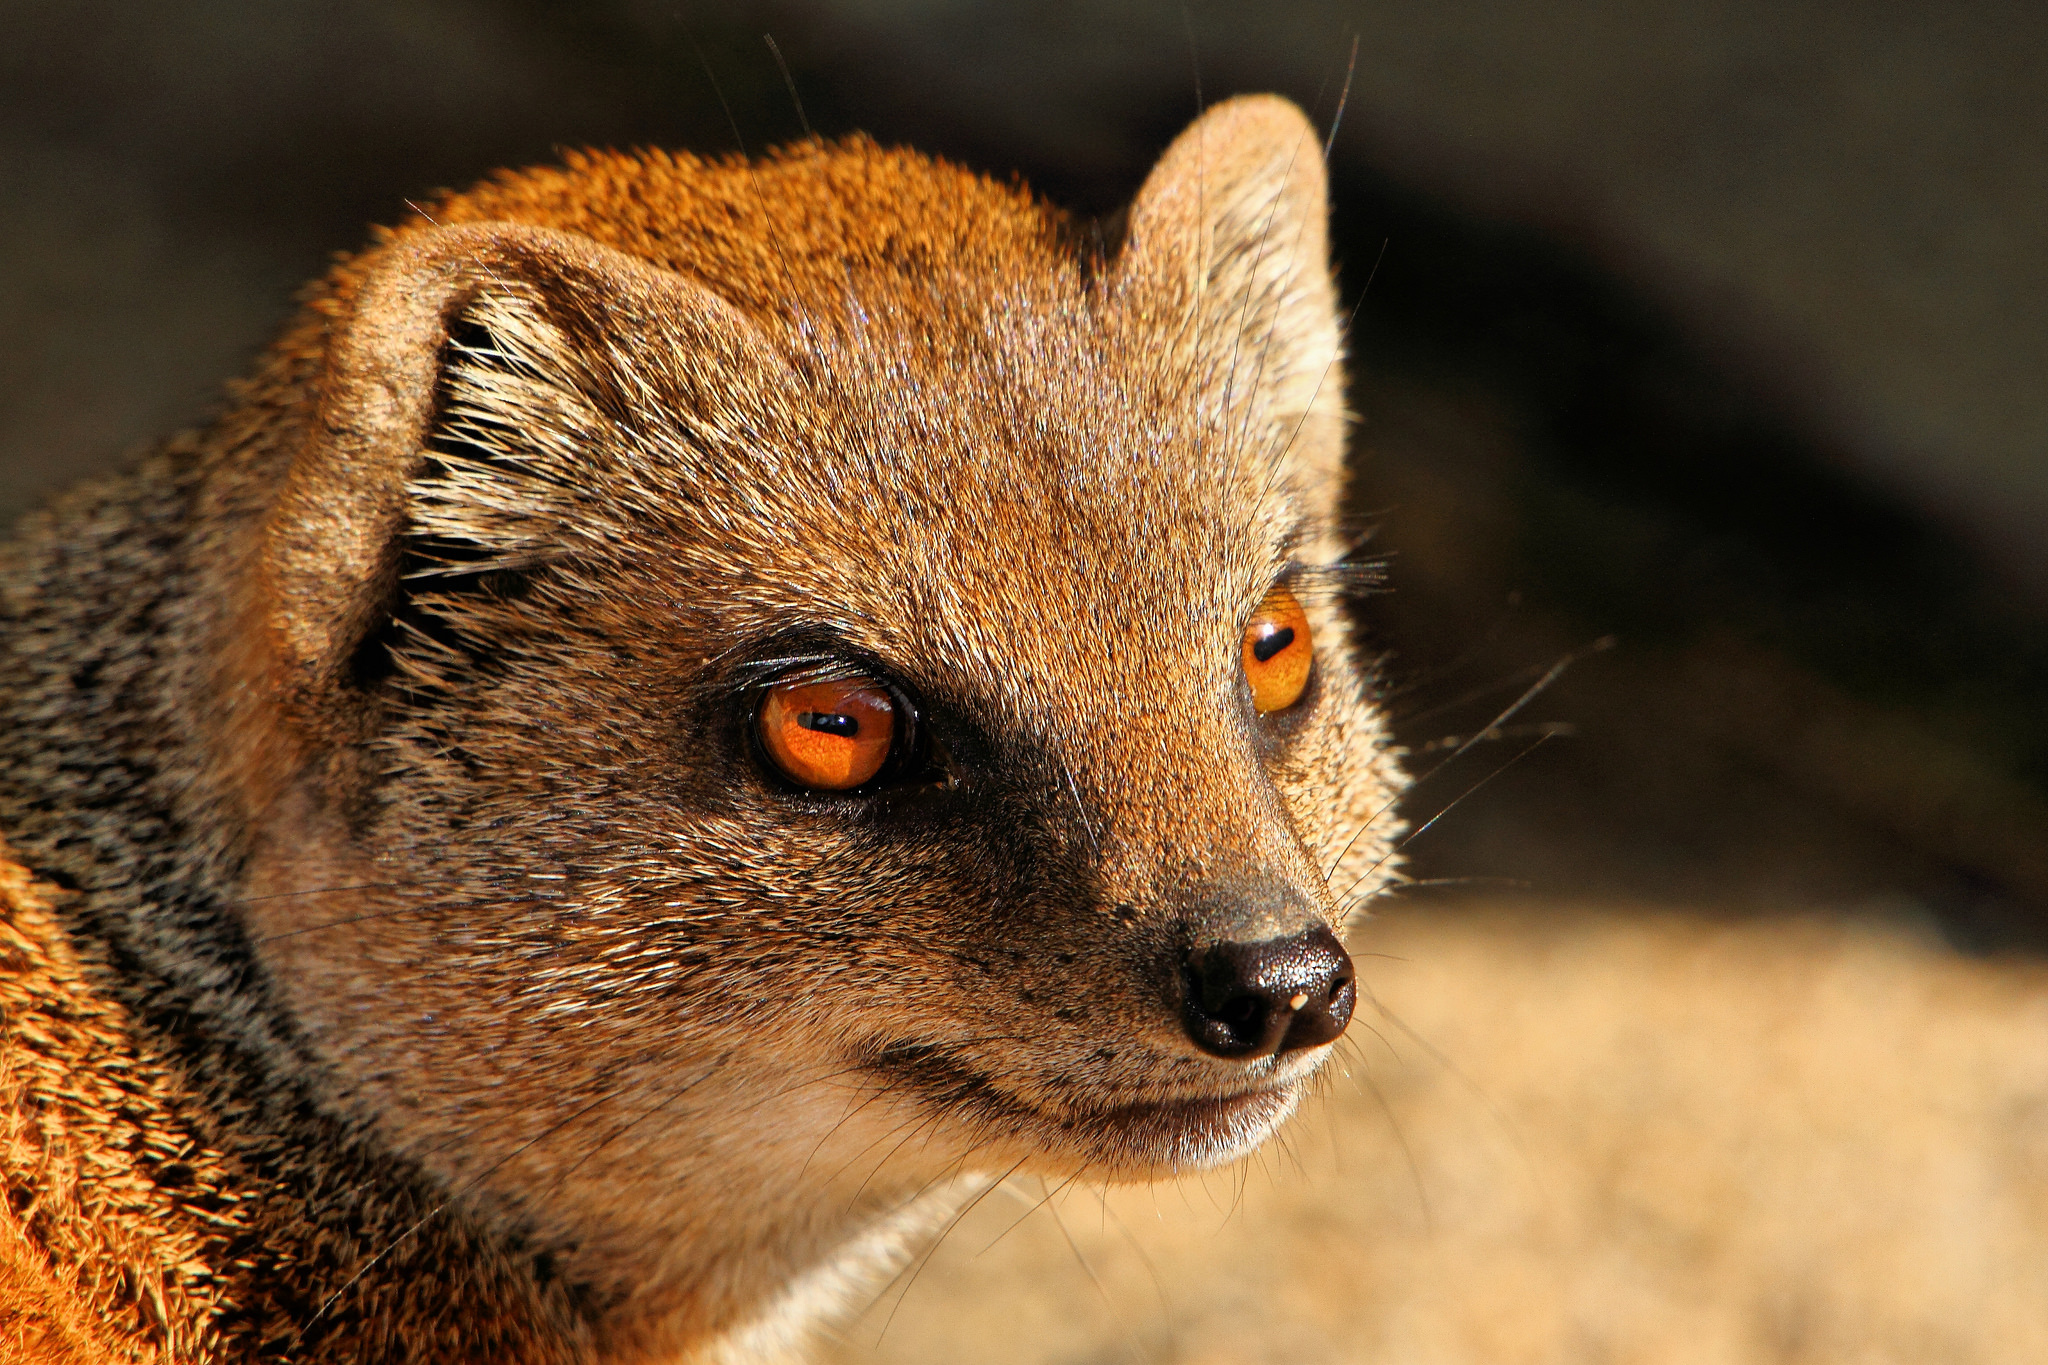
<point>1230,236</point>
<point>471,418</point>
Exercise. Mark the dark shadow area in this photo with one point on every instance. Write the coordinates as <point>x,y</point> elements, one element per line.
<point>1814,690</point>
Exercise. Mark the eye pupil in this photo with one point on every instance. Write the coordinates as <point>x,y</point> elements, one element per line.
<point>1271,643</point>
<point>829,723</point>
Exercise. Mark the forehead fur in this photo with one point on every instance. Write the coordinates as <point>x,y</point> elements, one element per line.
<point>945,431</point>
<point>778,238</point>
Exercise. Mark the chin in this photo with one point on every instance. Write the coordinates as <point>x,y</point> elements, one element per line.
<point>1099,1136</point>
<point>1157,1140</point>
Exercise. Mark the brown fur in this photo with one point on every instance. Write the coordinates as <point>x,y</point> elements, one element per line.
<point>113,1240</point>
<point>394,732</point>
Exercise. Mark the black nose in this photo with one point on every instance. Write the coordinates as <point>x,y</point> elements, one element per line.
<point>1249,1000</point>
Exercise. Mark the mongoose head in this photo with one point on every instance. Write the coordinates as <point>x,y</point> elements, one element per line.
<point>787,682</point>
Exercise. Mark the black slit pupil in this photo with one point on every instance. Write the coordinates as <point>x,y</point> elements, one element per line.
<point>829,723</point>
<point>1264,648</point>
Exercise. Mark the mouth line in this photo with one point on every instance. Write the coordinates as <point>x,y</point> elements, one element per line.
<point>1191,1132</point>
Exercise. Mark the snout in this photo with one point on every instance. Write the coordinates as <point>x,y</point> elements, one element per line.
<point>1239,981</point>
<point>1260,973</point>
<point>1260,999</point>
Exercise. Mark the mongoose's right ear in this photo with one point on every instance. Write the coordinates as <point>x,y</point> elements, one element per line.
<point>471,391</point>
<point>1228,240</point>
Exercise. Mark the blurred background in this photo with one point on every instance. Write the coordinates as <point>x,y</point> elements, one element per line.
<point>1704,347</point>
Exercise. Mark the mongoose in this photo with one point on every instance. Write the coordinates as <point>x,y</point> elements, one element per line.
<point>688,716</point>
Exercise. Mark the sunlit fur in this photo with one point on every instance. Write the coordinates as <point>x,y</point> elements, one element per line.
<point>462,863</point>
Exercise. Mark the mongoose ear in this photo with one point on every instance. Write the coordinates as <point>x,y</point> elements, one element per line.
<point>1230,236</point>
<point>471,398</point>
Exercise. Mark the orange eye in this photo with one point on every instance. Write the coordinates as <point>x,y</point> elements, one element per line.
<point>1277,652</point>
<point>828,736</point>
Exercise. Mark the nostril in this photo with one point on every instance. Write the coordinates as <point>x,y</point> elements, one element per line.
<point>1249,1000</point>
<point>1220,1017</point>
<point>1243,1018</point>
<point>1243,1012</point>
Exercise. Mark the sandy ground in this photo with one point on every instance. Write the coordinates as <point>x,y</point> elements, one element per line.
<point>1631,1137</point>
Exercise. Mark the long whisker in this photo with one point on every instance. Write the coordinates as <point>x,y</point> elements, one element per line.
<point>1552,729</point>
<point>853,1110</point>
<point>1452,805</point>
<point>1477,1091</point>
<point>1343,99</point>
<point>909,1130</point>
<point>1110,1215</point>
<point>1407,718</point>
<point>1407,884</point>
<point>1130,1337</point>
<point>1032,1206</point>
<point>789,82</point>
<point>1423,677</point>
<point>917,1265</point>
<point>1530,694</point>
<point>1372,1087</point>
<point>1410,837</point>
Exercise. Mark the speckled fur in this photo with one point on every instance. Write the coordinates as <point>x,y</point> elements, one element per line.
<point>393,733</point>
<point>120,1229</point>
